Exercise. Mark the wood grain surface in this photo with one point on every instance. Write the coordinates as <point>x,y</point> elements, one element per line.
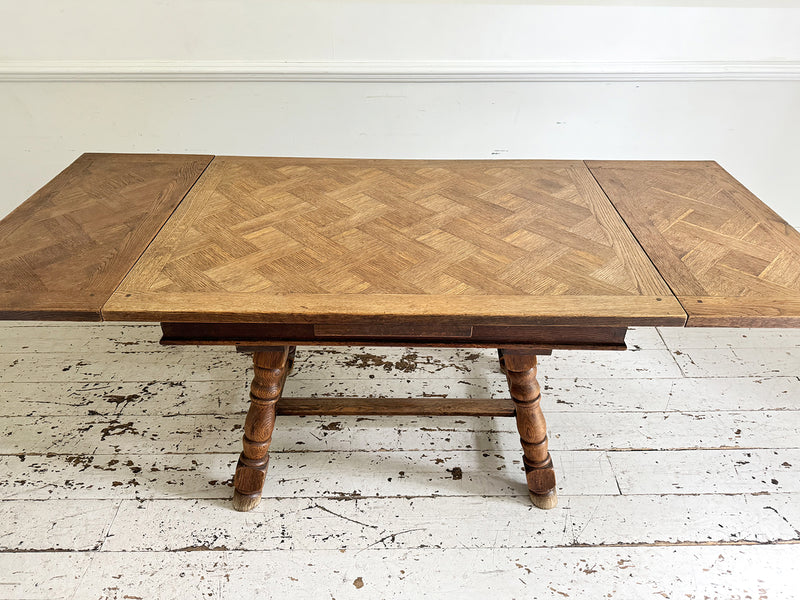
<point>385,243</point>
<point>475,407</point>
<point>730,259</point>
<point>65,250</point>
<point>301,334</point>
<point>332,241</point>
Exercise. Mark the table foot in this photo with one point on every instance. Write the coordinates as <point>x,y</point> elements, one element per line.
<point>520,370</point>
<point>243,502</point>
<point>545,502</point>
<point>270,366</point>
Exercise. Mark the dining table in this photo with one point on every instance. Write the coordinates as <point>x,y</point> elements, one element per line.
<point>270,254</point>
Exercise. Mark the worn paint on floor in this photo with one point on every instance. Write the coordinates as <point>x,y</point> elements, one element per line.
<point>678,473</point>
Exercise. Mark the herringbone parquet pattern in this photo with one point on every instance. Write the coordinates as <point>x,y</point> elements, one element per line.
<point>729,244</point>
<point>316,226</point>
<point>64,251</point>
<point>711,239</point>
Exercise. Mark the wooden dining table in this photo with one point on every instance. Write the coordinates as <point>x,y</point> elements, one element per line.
<point>270,254</point>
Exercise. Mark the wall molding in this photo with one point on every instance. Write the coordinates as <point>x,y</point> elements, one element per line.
<point>397,71</point>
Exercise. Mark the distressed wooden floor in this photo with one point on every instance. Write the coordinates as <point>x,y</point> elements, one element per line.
<point>678,465</point>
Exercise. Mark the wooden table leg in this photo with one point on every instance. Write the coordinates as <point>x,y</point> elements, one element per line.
<point>270,366</point>
<point>290,359</point>
<point>520,368</point>
<point>502,361</point>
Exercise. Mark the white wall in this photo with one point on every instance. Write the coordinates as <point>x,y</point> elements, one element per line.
<point>314,30</point>
<point>415,78</point>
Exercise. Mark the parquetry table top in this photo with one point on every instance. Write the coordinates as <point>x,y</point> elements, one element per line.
<point>65,250</point>
<point>728,257</point>
<point>498,242</point>
<point>296,239</point>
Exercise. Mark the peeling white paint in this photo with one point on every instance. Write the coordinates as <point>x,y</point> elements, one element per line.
<point>668,457</point>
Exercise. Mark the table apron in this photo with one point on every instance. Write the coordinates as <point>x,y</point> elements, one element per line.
<point>539,338</point>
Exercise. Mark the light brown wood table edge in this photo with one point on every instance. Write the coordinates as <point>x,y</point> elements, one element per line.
<point>334,308</point>
<point>721,311</point>
<point>360,162</point>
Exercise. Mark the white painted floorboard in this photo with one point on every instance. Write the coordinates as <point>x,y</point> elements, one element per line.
<point>678,466</point>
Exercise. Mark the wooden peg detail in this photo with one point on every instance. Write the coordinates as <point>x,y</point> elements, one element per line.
<point>270,365</point>
<point>520,371</point>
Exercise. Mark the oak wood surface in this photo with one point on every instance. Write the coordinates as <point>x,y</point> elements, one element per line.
<point>389,245</point>
<point>520,370</point>
<point>66,249</point>
<point>270,368</point>
<point>729,258</point>
<point>467,407</point>
<point>332,240</point>
<point>243,334</point>
<point>228,307</point>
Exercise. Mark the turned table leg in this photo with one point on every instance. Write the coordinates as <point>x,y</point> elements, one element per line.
<point>290,359</point>
<point>520,369</point>
<point>270,366</point>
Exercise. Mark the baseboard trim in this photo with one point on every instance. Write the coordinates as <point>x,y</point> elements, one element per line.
<point>397,72</point>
